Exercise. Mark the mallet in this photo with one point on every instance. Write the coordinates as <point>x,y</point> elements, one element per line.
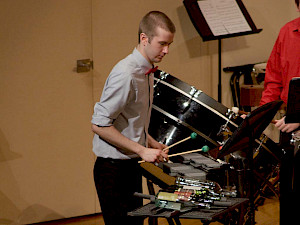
<point>205,148</point>
<point>237,111</point>
<point>192,136</point>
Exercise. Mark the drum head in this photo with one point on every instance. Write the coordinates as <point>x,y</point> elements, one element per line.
<point>180,109</point>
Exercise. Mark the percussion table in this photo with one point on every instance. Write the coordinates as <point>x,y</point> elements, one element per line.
<point>155,175</point>
<point>206,216</point>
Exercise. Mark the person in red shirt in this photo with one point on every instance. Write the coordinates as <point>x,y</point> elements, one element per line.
<point>282,66</point>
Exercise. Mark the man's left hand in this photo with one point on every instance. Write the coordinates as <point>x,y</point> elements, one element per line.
<point>286,127</point>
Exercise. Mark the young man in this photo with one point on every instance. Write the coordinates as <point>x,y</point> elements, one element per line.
<point>121,119</point>
<point>282,66</point>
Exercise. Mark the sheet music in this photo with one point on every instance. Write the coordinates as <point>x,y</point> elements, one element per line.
<point>223,16</point>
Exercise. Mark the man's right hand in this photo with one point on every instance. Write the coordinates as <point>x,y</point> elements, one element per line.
<point>153,155</point>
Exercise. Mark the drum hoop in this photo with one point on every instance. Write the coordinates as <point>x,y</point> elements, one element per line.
<point>184,123</point>
<point>196,100</point>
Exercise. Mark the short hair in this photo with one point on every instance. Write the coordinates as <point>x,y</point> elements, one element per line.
<point>155,19</point>
<point>297,3</point>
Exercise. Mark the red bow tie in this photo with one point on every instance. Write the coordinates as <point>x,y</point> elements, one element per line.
<point>152,70</point>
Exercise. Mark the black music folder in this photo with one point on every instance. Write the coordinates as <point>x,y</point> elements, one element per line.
<point>293,105</point>
<point>217,20</point>
<point>250,129</point>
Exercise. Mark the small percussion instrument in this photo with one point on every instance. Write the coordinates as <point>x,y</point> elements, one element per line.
<point>296,141</point>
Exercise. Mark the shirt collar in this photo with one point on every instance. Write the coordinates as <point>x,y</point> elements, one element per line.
<point>142,61</point>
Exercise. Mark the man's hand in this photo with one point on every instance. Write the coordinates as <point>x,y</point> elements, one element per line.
<point>153,155</point>
<point>152,143</point>
<point>243,116</point>
<point>286,127</point>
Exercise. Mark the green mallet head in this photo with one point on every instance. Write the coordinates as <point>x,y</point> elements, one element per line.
<point>193,135</point>
<point>205,148</point>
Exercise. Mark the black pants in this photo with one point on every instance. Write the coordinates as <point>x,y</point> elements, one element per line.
<point>116,181</point>
<point>289,183</point>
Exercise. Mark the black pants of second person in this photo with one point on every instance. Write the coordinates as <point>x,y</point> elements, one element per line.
<point>289,183</point>
<point>116,181</point>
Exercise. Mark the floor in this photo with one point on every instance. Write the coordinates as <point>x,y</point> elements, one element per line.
<point>267,214</point>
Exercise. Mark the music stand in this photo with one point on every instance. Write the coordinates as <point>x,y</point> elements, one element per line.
<point>293,105</point>
<point>244,136</point>
<point>207,28</point>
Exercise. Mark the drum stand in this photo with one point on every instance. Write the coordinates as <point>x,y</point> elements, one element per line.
<point>243,140</point>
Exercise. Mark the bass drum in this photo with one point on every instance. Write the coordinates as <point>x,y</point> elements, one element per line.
<point>180,109</point>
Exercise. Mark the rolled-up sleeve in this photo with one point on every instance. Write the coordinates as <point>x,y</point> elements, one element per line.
<point>115,95</point>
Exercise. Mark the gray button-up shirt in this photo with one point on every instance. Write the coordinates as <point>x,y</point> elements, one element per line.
<point>126,104</point>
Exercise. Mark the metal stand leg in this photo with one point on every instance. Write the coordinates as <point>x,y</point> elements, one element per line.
<point>250,177</point>
<point>152,220</point>
<point>170,221</point>
<point>177,221</point>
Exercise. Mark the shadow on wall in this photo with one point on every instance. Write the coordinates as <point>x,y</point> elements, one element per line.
<point>36,213</point>
<point>5,153</point>
<point>8,209</point>
<point>192,40</point>
<point>11,212</point>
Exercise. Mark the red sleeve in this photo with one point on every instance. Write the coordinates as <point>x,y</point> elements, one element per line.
<point>273,76</point>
